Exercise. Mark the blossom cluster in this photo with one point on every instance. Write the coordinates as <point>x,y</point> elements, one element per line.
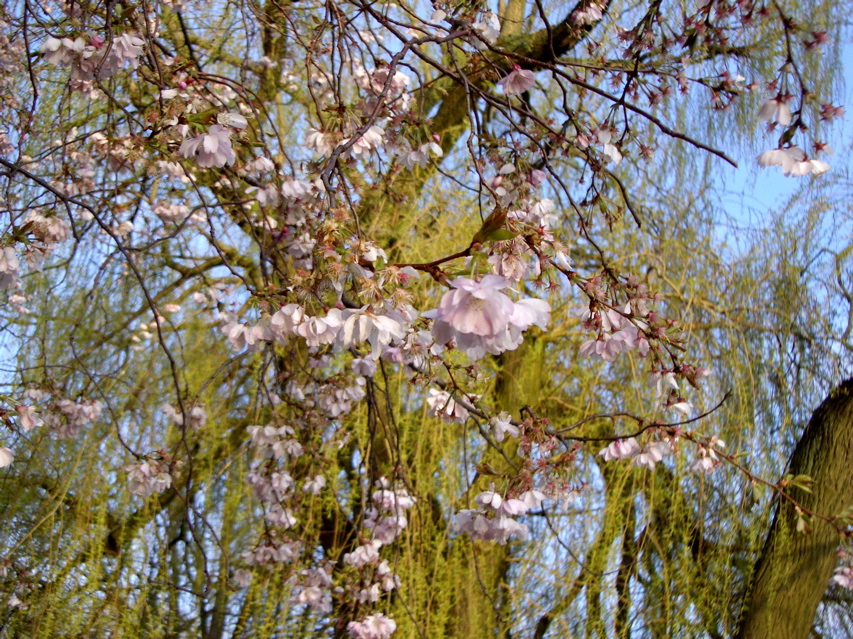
<point>492,520</point>
<point>618,332</point>
<point>384,520</point>
<point>347,328</point>
<point>64,417</point>
<point>656,449</point>
<point>148,477</point>
<point>92,57</point>
<point>478,318</point>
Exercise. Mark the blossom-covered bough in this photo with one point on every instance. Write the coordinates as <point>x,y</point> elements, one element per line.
<point>321,307</point>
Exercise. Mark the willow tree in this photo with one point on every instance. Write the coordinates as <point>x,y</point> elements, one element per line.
<point>356,319</point>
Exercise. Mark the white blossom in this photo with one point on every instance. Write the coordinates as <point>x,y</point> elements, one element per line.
<point>775,109</point>
<point>319,141</point>
<point>234,120</point>
<point>604,137</point>
<point>502,426</point>
<point>314,485</point>
<point>489,28</point>
<point>793,161</point>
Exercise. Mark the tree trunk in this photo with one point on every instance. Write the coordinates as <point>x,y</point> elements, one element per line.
<point>794,569</point>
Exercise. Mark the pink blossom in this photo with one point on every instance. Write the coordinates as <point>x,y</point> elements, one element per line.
<point>829,112</point>
<point>395,501</point>
<point>708,459</point>
<point>296,189</point>
<point>420,157</point>
<point>27,417</point>
<point>279,516</point>
<point>242,578</point>
<point>532,498</point>
<point>518,81</point>
<point>285,320</point>
<point>363,555</point>
<point>474,307</point>
<point>499,529</point>
<point>376,626</point>
<point>147,478</point>
<point>653,453</point>
<point>483,320</point>
<point>536,177</point>
<point>320,330</point>
<point>590,14</point>
<point>210,149</point>
<point>703,465</point>
<point>793,161</point>
<point>604,347</point>
<point>314,486</point>
<point>620,449</point>
<point>386,529</point>
<point>127,47</point>
<point>61,52</point>
<point>512,507</point>
<point>489,499</point>
<point>843,577</point>
<point>8,260</point>
<point>378,330</point>
<point>376,79</point>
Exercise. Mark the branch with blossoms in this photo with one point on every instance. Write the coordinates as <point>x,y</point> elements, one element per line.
<point>267,186</point>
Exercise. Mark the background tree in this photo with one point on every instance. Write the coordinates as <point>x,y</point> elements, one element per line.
<point>231,413</point>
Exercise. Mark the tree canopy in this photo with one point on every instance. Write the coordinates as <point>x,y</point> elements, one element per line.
<point>372,319</point>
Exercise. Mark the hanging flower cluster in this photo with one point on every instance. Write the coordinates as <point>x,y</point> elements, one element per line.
<point>478,318</point>
<point>493,519</point>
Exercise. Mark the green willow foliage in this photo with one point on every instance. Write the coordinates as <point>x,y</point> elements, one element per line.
<point>133,318</point>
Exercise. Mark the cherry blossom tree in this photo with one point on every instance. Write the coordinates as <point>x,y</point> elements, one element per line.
<point>386,319</point>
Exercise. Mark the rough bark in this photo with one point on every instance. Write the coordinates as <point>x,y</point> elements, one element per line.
<point>794,569</point>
